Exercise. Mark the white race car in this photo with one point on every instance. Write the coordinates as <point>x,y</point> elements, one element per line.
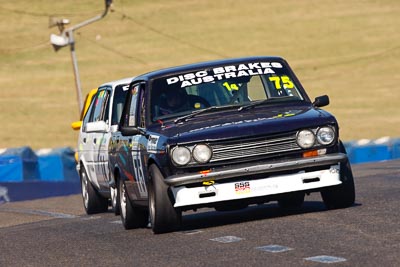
<point>99,121</point>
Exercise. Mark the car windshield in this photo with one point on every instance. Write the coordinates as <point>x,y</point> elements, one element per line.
<point>241,85</point>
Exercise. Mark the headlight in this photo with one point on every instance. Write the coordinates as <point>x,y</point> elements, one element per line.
<point>325,135</point>
<point>305,138</point>
<point>181,155</point>
<point>202,153</point>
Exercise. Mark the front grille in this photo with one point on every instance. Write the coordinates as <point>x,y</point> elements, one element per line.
<point>253,148</point>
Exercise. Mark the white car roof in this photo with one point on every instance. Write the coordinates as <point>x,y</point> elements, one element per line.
<point>115,83</point>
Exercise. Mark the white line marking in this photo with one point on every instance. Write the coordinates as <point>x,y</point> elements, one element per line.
<point>191,232</point>
<point>227,239</point>
<point>326,259</point>
<point>41,212</point>
<point>274,248</point>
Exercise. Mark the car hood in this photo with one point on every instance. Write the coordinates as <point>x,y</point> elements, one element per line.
<point>233,124</point>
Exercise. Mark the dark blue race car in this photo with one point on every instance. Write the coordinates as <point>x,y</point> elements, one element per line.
<point>224,134</point>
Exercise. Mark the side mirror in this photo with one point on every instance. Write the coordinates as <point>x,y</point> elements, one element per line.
<point>129,130</point>
<point>98,127</point>
<point>76,125</point>
<point>132,130</point>
<point>321,101</point>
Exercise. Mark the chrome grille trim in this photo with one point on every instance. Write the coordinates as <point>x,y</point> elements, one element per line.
<point>251,148</point>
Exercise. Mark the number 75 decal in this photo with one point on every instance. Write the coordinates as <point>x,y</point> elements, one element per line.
<point>287,83</point>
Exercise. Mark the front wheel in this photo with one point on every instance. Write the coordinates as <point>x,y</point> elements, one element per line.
<point>92,201</point>
<point>163,216</point>
<point>132,217</point>
<point>343,195</point>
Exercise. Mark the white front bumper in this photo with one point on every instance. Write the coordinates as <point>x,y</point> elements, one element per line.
<point>256,188</point>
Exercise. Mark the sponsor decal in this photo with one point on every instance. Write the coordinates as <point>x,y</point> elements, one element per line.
<point>152,143</point>
<point>227,72</point>
<point>242,188</point>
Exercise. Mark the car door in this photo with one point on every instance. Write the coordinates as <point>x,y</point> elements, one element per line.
<point>115,102</point>
<point>95,142</point>
<point>134,146</point>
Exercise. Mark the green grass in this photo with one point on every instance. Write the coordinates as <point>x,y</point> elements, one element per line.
<point>349,50</point>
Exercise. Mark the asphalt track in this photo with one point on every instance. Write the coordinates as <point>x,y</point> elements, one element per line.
<point>56,232</point>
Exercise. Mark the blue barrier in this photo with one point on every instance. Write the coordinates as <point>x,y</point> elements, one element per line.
<point>23,164</point>
<point>26,175</point>
<point>19,164</point>
<point>57,164</point>
<point>396,149</point>
<point>28,190</point>
<point>11,168</point>
<point>364,151</point>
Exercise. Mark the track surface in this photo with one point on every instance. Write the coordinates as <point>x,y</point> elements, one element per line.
<point>56,232</point>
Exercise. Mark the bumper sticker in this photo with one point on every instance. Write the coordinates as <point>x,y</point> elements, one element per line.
<point>242,188</point>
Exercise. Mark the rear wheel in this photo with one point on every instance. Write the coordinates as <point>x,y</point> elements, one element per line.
<point>92,201</point>
<point>163,216</point>
<point>132,217</point>
<point>343,195</point>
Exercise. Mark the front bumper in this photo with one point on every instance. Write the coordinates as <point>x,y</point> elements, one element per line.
<point>247,189</point>
<point>244,187</point>
<point>249,170</point>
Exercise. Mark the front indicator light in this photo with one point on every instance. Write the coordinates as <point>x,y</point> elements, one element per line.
<point>314,153</point>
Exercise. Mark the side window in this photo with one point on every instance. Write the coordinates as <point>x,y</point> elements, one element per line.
<point>88,114</point>
<point>101,105</point>
<point>142,108</point>
<point>130,118</point>
<point>118,103</point>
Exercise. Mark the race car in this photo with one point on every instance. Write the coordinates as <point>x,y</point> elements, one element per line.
<point>100,119</point>
<point>224,134</point>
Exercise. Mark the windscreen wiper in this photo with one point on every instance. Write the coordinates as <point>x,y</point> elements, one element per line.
<point>269,100</point>
<point>201,111</point>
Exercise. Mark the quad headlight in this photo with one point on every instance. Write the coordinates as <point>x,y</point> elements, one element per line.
<point>305,139</point>
<point>310,137</point>
<point>325,135</point>
<point>182,155</point>
<point>202,153</point>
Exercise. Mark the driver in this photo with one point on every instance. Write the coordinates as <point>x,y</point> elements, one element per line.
<point>175,100</point>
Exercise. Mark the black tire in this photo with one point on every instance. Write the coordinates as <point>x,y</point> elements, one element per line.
<point>131,216</point>
<point>93,202</point>
<point>291,202</point>
<point>343,195</point>
<point>163,216</point>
